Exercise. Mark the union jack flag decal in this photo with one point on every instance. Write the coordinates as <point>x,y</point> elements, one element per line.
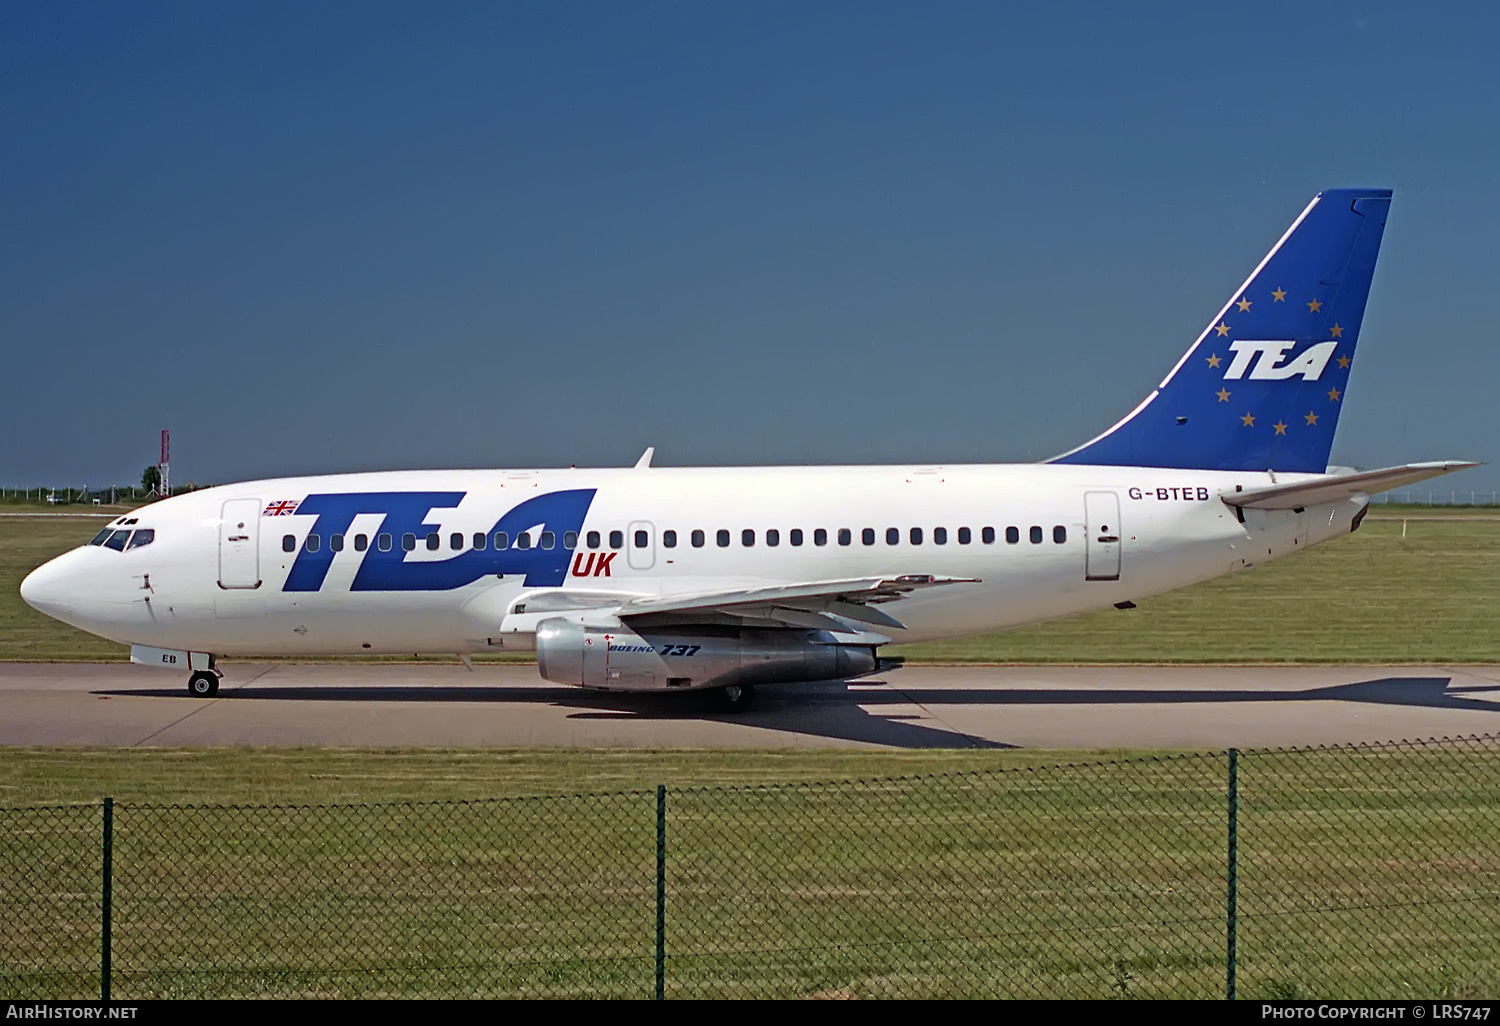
<point>280,509</point>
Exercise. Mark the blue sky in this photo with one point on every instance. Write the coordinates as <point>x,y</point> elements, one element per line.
<point>327,237</point>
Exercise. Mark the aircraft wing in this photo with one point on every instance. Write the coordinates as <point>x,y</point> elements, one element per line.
<point>1341,486</point>
<point>817,604</point>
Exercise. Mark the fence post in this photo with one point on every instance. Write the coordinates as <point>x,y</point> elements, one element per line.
<point>661,892</point>
<point>107,896</point>
<point>1232,911</point>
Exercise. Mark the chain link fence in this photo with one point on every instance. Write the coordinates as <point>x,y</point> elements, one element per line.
<point>1349,872</point>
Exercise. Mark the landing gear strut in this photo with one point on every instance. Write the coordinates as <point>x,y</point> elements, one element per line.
<point>203,684</point>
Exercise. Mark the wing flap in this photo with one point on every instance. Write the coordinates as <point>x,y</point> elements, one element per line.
<point>848,599</point>
<point>1332,488</point>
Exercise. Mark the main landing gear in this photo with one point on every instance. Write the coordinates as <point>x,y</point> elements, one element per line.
<point>736,697</point>
<point>204,683</point>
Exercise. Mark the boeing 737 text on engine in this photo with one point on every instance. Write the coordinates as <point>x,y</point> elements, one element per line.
<point>646,579</point>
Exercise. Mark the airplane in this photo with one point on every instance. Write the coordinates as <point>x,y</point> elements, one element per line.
<point>655,579</point>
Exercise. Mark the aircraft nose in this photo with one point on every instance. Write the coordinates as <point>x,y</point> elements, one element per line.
<point>45,591</point>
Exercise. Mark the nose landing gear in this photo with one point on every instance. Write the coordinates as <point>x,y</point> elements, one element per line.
<point>204,683</point>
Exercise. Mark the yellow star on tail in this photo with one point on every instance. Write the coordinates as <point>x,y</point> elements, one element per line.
<point>1280,427</point>
<point>1344,362</point>
<point>1311,418</point>
<point>1248,420</point>
<point>1278,296</point>
<point>1214,360</point>
<point>1243,304</point>
<point>1336,331</point>
<point>1315,306</point>
<point>1333,394</point>
<point>1222,328</point>
<point>1223,395</point>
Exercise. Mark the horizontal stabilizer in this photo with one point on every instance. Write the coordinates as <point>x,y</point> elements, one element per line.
<point>1333,487</point>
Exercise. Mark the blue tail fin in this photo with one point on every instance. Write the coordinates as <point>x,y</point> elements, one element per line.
<point>1262,387</point>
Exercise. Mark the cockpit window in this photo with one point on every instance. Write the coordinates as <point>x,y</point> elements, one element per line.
<point>145,536</point>
<point>116,540</point>
<point>99,538</point>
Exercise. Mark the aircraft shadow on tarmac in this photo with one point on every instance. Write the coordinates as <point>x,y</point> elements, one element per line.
<point>834,709</point>
<point>819,709</point>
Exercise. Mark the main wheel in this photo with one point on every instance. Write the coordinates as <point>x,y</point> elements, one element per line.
<point>736,697</point>
<point>203,684</point>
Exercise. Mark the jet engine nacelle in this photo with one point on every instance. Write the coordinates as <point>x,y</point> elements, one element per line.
<point>689,658</point>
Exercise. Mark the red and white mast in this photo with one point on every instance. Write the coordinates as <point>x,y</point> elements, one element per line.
<point>165,466</point>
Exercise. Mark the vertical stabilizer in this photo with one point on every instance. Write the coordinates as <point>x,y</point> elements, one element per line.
<point>1262,387</point>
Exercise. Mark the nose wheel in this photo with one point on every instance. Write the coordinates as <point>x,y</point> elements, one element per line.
<point>203,684</point>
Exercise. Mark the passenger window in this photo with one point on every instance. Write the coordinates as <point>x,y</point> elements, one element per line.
<point>796,536</point>
<point>548,540</point>
<point>697,537</point>
<point>143,537</point>
<point>592,539</point>
<point>455,541</point>
<point>117,541</point>
<point>747,538</point>
<point>481,541</point>
<point>384,543</point>
<point>987,536</point>
<point>722,537</point>
<point>616,539</point>
<point>409,542</point>
<point>940,536</point>
<point>523,540</point>
<point>867,536</point>
<point>336,542</point>
<point>312,543</point>
<point>99,538</point>
<point>433,541</point>
<point>669,539</point>
<point>1012,535</point>
<point>502,540</point>
<point>1036,536</point>
<point>916,536</point>
<point>964,537</point>
<point>1060,534</point>
<point>288,543</point>
<point>570,540</point>
<point>773,537</point>
<point>893,536</point>
<point>361,542</point>
<point>820,537</point>
<point>640,540</point>
<point>845,536</point>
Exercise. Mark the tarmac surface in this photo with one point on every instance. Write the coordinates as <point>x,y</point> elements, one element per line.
<point>509,706</point>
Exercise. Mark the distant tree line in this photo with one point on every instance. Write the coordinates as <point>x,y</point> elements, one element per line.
<point>145,491</point>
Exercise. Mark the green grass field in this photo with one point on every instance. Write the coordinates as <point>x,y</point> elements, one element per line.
<point>1363,873</point>
<point>1374,597</point>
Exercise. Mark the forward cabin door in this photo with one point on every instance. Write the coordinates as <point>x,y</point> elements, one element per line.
<point>239,544</point>
<point>1102,515</point>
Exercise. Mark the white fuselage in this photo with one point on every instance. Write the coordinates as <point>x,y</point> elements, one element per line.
<point>216,580</point>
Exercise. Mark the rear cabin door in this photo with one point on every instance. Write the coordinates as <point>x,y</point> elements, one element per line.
<point>1102,515</point>
<point>239,544</point>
